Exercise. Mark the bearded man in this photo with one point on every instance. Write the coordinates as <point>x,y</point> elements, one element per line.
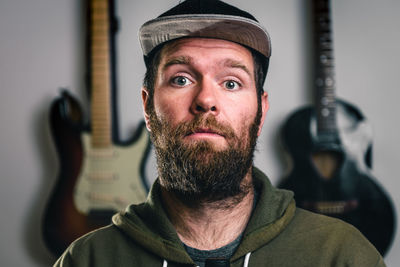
<point>205,105</point>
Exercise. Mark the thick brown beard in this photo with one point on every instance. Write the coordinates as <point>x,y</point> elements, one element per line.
<point>198,173</point>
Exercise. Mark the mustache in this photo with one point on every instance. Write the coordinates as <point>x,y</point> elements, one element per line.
<point>204,124</point>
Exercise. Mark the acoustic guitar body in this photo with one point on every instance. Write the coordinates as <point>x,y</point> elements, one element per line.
<point>334,177</point>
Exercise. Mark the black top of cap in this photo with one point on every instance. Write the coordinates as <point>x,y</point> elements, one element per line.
<point>206,7</point>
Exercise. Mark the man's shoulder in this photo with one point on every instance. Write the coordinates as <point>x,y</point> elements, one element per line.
<point>97,248</point>
<point>306,221</point>
<point>96,237</point>
<point>339,239</point>
<point>312,239</point>
<point>309,224</point>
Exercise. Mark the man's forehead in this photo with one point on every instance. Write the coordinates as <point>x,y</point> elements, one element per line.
<point>179,50</point>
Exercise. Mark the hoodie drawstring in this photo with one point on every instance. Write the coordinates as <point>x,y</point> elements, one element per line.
<point>246,261</point>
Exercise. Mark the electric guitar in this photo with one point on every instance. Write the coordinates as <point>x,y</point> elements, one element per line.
<point>331,147</point>
<point>99,176</point>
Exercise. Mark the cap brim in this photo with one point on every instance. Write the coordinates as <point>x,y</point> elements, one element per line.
<point>232,28</point>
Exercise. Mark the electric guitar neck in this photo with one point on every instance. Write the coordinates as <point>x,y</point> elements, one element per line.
<point>98,176</point>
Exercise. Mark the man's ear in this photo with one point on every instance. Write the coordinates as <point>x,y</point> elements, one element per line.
<point>264,110</point>
<point>145,101</point>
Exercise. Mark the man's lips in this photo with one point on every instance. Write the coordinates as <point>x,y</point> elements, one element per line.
<point>205,132</point>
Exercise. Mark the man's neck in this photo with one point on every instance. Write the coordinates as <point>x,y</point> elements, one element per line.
<point>212,225</point>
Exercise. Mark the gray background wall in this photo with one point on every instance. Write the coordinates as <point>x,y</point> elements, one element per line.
<point>42,49</point>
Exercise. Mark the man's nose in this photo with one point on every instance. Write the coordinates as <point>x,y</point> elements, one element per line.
<point>205,99</point>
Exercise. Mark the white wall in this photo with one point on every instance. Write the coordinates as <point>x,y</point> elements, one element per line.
<point>42,49</point>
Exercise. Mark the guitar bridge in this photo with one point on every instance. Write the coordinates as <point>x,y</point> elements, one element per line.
<point>330,207</point>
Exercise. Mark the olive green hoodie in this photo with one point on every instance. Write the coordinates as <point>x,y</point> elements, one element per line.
<point>278,234</point>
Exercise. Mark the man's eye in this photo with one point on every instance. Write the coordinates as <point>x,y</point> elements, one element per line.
<point>181,81</point>
<point>231,85</point>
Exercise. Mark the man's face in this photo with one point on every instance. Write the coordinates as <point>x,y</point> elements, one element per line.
<point>204,111</point>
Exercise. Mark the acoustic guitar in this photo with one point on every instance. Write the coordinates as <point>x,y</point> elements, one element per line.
<point>331,147</point>
<point>99,175</point>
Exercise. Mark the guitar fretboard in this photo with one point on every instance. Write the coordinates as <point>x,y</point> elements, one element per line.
<point>324,71</point>
<point>100,74</point>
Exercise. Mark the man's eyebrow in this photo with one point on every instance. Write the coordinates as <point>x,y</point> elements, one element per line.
<point>231,63</point>
<point>187,60</point>
<point>180,60</point>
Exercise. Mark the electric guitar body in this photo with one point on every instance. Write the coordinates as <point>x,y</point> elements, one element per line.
<point>92,184</point>
<point>62,221</point>
<point>331,147</point>
<point>99,175</point>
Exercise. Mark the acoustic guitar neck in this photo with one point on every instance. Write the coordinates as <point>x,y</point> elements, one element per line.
<point>324,74</point>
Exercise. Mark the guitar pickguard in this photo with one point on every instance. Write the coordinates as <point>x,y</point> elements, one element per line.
<point>110,178</point>
<point>355,133</point>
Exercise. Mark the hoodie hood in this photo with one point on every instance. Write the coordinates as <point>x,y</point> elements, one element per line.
<point>148,223</point>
